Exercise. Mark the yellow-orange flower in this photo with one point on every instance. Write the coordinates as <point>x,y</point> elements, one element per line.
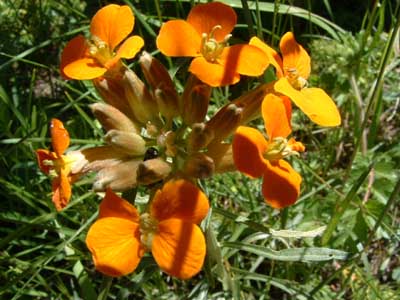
<point>293,70</point>
<point>89,59</point>
<point>56,161</point>
<point>120,237</point>
<point>255,156</point>
<point>204,36</point>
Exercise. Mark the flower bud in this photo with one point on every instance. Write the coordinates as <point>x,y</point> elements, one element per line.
<point>200,137</point>
<point>250,103</point>
<point>112,92</point>
<point>225,121</point>
<point>112,118</point>
<point>159,79</point>
<point>143,105</point>
<point>119,177</point>
<point>152,170</point>
<point>128,142</point>
<point>194,101</point>
<point>221,153</point>
<point>199,165</point>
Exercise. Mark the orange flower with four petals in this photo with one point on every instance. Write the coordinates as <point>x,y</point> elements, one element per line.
<point>120,237</point>
<point>88,59</point>
<point>255,156</point>
<point>204,36</point>
<point>293,70</point>
<point>50,161</point>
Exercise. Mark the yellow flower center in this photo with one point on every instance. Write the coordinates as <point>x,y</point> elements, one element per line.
<point>148,227</point>
<point>295,79</point>
<point>280,148</point>
<point>99,50</point>
<point>210,48</point>
<point>60,164</point>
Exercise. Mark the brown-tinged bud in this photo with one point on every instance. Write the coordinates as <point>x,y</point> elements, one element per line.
<point>112,92</point>
<point>225,121</point>
<point>152,170</point>
<point>167,140</point>
<point>222,155</point>
<point>194,101</point>
<point>112,118</point>
<point>200,137</point>
<point>119,177</point>
<point>250,103</point>
<point>98,158</point>
<point>143,105</point>
<point>160,81</point>
<point>199,165</point>
<point>129,142</point>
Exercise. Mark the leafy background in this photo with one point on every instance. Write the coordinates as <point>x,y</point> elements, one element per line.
<point>340,241</point>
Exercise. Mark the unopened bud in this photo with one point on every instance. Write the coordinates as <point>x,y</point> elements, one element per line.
<point>143,105</point>
<point>160,81</point>
<point>194,101</point>
<point>167,140</point>
<point>152,170</point>
<point>199,165</point>
<point>200,137</point>
<point>250,103</point>
<point>221,153</point>
<point>112,118</point>
<point>225,121</point>
<point>119,177</point>
<point>128,142</point>
<point>112,92</point>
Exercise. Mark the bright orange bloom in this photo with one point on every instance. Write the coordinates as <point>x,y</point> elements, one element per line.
<point>56,161</point>
<point>119,238</point>
<point>204,36</point>
<point>293,70</point>
<point>255,156</point>
<point>89,59</point>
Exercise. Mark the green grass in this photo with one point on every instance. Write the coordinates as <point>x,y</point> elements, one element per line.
<point>350,173</point>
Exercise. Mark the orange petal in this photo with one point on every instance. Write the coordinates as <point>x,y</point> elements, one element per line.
<point>273,56</point>
<point>59,137</point>
<point>84,69</point>
<point>325,111</point>
<point>61,191</point>
<point>213,74</point>
<point>179,248</point>
<point>314,102</point>
<point>294,56</point>
<point>130,47</point>
<point>204,17</point>
<point>276,118</point>
<point>178,38</point>
<point>281,184</point>
<point>112,24</point>
<point>114,206</point>
<point>115,245</point>
<point>179,199</point>
<point>244,59</point>
<point>75,49</point>
<point>248,147</point>
<point>41,156</point>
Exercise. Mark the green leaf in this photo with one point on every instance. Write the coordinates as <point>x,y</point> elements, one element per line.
<point>292,254</point>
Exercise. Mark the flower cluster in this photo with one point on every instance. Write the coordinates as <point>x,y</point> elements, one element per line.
<point>166,141</point>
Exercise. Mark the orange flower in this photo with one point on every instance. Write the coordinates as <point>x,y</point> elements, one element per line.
<point>119,238</point>
<point>204,36</point>
<point>255,156</point>
<point>89,59</point>
<point>63,165</point>
<point>293,70</point>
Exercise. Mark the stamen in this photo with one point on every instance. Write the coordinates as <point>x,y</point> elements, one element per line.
<point>280,148</point>
<point>211,49</point>
<point>148,227</point>
<point>295,79</point>
<point>100,50</point>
